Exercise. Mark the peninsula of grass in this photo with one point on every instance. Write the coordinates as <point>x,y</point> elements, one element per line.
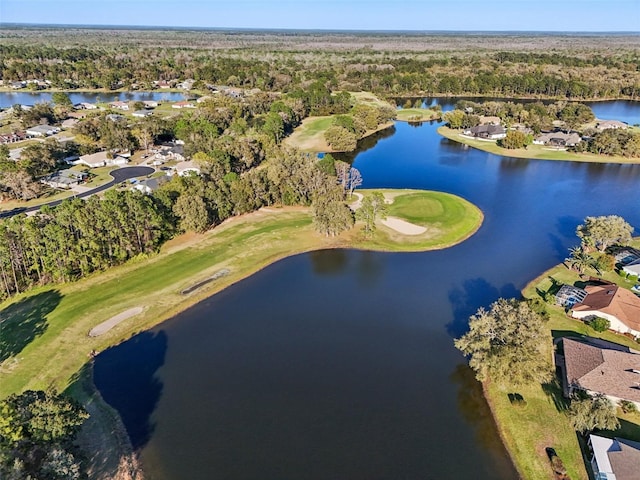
<point>448,220</point>
<point>309,135</point>
<point>543,422</point>
<point>534,152</point>
<point>418,115</point>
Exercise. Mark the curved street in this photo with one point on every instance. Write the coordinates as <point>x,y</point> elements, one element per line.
<point>118,175</point>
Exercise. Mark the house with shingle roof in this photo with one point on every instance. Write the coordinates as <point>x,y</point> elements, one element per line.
<point>558,139</point>
<point>599,367</point>
<point>614,458</point>
<point>618,305</point>
<point>611,124</point>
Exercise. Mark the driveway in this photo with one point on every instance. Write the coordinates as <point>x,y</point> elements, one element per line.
<point>118,175</point>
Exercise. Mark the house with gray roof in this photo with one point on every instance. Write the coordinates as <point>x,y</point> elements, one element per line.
<point>65,179</point>
<point>558,139</point>
<point>614,458</point>
<point>489,132</point>
<point>595,366</point>
<point>611,124</point>
<point>41,131</point>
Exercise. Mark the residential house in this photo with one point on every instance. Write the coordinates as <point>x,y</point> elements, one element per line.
<point>69,123</point>
<point>489,120</point>
<point>150,104</point>
<point>142,113</point>
<point>114,117</point>
<point>168,152</point>
<point>65,179</point>
<point>558,139</point>
<point>18,85</point>
<point>149,185</point>
<point>41,131</point>
<point>627,256</point>
<point>611,124</point>
<point>183,105</point>
<point>616,304</point>
<point>119,105</point>
<point>12,137</point>
<point>187,168</point>
<point>85,106</point>
<point>187,84</point>
<point>568,295</point>
<point>489,132</point>
<point>599,367</point>
<point>101,159</point>
<point>162,84</point>
<point>632,268</point>
<point>614,458</point>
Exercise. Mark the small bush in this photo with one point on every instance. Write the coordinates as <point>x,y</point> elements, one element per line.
<point>628,407</point>
<point>517,400</point>
<point>599,324</point>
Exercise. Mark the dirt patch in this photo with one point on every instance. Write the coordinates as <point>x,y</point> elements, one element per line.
<point>105,326</point>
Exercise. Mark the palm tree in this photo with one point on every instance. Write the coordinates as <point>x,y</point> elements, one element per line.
<point>578,259</point>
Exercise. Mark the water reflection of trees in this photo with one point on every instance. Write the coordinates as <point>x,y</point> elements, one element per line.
<point>365,144</point>
<point>126,377</point>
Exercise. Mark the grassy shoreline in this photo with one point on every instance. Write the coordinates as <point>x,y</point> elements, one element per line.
<point>544,417</point>
<point>58,356</point>
<point>533,152</point>
<point>418,115</point>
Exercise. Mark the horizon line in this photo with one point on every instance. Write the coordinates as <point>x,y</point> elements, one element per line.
<point>328,30</point>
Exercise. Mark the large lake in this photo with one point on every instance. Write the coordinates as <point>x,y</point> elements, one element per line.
<point>340,364</point>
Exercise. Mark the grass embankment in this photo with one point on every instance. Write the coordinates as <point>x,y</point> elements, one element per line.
<point>418,115</point>
<point>543,421</point>
<point>448,219</point>
<point>534,152</point>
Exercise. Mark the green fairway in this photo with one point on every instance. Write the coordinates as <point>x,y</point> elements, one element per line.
<point>418,115</point>
<point>535,152</point>
<point>448,220</point>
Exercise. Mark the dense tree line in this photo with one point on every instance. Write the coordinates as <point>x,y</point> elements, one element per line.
<point>81,236</point>
<point>499,74</point>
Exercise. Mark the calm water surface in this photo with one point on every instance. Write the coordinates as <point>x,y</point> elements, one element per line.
<point>340,364</point>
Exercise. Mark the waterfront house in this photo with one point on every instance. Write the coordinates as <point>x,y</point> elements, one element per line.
<point>150,104</point>
<point>595,366</point>
<point>489,120</point>
<point>489,132</point>
<point>183,105</point>
<point>119,105</point>
<point>611,124</point>
<point>85,106</point>
<point>618,305</point>
<point>568,295</point>
<point>632,268</point>
<point>162,84</point>
<point>558,139</point>
<point>614,458</point>
<point>18,85</point>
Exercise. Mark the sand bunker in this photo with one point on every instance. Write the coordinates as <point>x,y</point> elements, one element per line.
<point>104,327</point>
<point>403,227</point>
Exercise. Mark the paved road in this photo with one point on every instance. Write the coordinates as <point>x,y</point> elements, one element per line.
<point>119,175</point>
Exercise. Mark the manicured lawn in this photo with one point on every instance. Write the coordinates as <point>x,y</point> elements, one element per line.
<point>539,152</point>
<point>309,136</point>
<point>543,422</point>
<point>449,220</point>
<point>417,114</point>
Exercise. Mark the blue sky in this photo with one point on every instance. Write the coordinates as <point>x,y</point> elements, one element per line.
<point>540,15</point>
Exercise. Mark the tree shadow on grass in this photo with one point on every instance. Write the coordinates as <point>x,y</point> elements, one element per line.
<point>553,390</point>
<point>25,320</point>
